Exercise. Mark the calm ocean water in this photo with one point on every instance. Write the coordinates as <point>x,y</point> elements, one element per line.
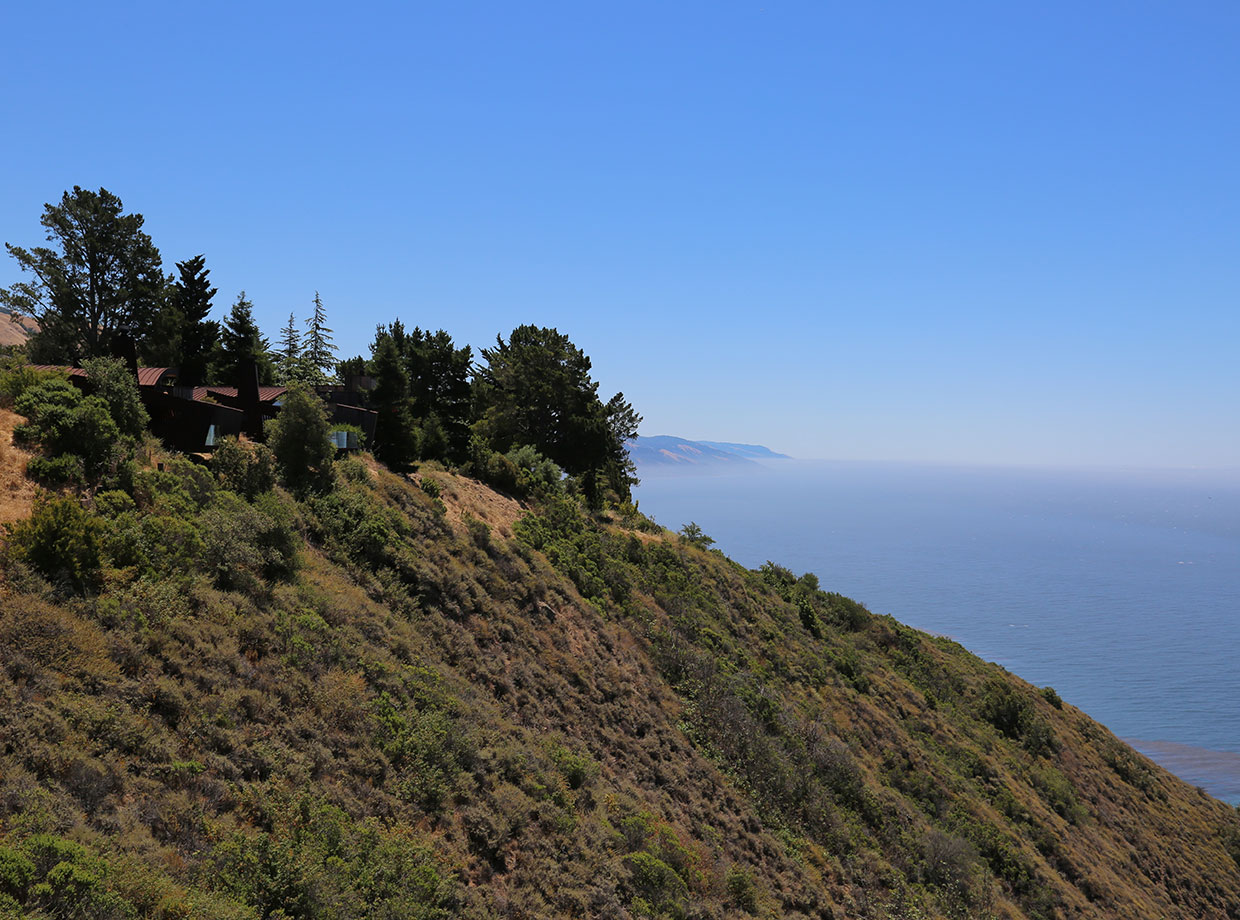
<point>1121,590</point>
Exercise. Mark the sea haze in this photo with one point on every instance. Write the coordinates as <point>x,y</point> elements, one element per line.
<point>1120,589</point>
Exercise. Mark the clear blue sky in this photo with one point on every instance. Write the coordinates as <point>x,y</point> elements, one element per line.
<point>986,232</point>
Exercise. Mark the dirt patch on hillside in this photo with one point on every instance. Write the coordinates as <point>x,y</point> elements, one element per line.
<point>16,491</point>
<point>462,496</point>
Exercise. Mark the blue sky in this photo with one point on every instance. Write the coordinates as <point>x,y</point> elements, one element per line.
<point>979,232</point>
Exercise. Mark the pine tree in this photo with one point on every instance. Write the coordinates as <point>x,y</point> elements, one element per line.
<point>242,341</point>
<point>289,359</point>
<point>319,352</point>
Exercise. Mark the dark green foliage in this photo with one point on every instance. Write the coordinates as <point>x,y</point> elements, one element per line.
<point>522,472</point>
<point>16,873</point>
<point>244,545</point>
<point>64,424</point>
<point>814,605</point>
<point>114,383</point>
<point>242,344</point>
<point>318,354</point>
<point>300,440</point>
<point>197,334</point>
<point>1012,712</point>
<point>657,889</point>
<point>355,366</point>
<point>692,534</point>
<point>51,876</point>
<point>396,434</point>
<point>536,389</point>
<point>318,862</point>
<point>742,889</point>
<point>102,276</point>
<point>61,542</point>
<point>247,469</point>
<point>423,394</point>
<point>287,358</point>
<point>1049,694</point>
<point>16,378</point>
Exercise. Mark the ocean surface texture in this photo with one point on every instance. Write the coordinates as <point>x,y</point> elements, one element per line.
<point>1121,590</point>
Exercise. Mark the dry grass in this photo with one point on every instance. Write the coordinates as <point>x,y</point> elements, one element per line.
<point>16,491</point>
<point>14,331</point>
<point>463,496</point>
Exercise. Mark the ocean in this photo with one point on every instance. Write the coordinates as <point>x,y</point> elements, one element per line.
<point>1120,589</point>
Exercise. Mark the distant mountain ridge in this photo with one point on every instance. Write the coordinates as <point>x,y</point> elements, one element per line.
<point>670,451</point>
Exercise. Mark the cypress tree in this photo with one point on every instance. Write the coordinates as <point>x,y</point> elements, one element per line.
<point>191,298</point>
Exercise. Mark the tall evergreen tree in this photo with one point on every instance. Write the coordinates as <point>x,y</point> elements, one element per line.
<point>396,439</point>
<point>288,358</point>
<point>319,352</point>
<point>440,391</point>
<point>102,281</point>
<point>191,296</point>
<point>242,341</point>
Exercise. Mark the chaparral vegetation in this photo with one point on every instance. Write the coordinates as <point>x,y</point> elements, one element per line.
<point>455,672</point>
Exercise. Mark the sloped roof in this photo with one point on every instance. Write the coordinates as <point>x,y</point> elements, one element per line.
<point>71,371</point>
<point>265,394</point>
<point>151,376</point>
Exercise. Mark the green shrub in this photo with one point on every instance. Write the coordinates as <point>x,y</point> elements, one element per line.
<point>1049,694</point>
<point>61,421</point>
<point>61,542</point>
<point>692,534</point>
<point>299,439</point>
<point>249,470</point>
<point>742,889</point>
<point>115,384</point>
<point>16,873</point>
<point>656,883</point>
<point>576,768</point>
<point>60,472</point>
<point>246,545</point>
<point>17,378</point>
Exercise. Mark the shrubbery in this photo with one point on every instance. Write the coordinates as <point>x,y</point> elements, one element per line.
<point>61,541</point>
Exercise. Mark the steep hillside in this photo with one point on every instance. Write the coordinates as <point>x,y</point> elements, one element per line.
<point>414,697</point>
<point>16,491</point>
<point>15,330</point>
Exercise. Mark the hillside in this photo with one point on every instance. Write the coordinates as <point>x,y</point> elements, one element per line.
<point>14,330</point>
<point>411,696</point>
<point>667,452</point>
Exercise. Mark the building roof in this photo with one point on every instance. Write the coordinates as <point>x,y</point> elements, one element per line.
<point>151,376</point>
<point>71,371</point>
<point>265,394</point>
<point>147,376</point>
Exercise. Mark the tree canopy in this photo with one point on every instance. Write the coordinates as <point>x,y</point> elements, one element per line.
<point>536,389</point>
<point>100,279</point>
<point>430,377</point>
<point>242,342</point>
<point>191,297</point>
<point>318,352</point>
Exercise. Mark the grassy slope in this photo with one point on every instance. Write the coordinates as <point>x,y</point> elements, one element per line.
<point>430,719</point>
